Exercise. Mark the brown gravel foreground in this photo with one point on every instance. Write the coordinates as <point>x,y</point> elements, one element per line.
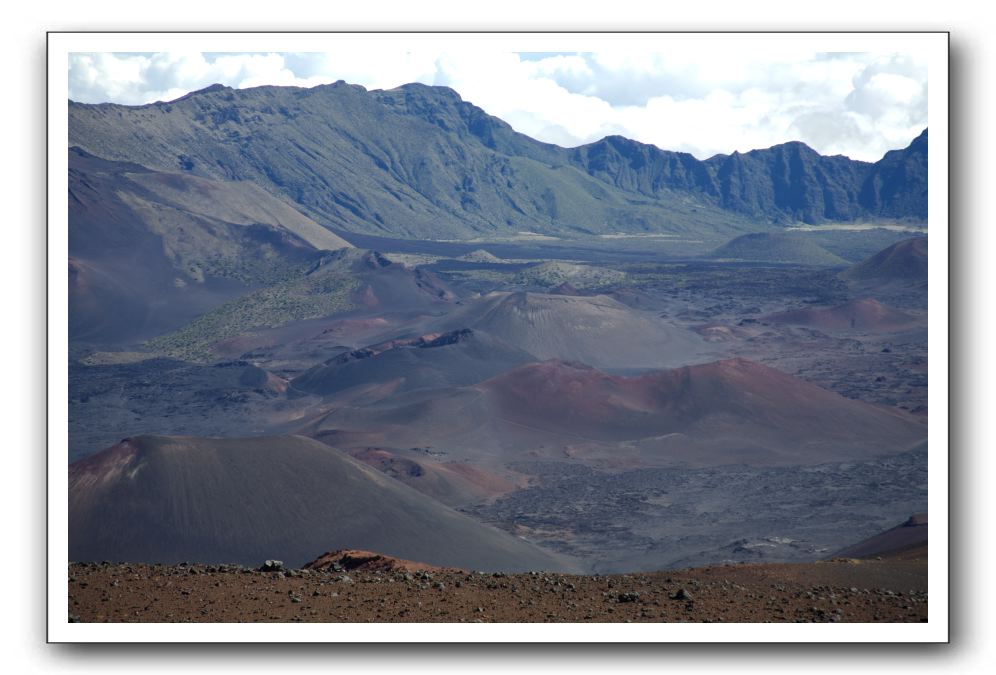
<point>841,590</point>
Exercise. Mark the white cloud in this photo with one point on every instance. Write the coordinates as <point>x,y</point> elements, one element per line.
<point>703,102</point>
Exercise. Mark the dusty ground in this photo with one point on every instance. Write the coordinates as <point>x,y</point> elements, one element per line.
<point>891,590</point>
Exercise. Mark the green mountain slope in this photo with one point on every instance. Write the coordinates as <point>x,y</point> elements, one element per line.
<point>412,162</point>
<point>419,162</point>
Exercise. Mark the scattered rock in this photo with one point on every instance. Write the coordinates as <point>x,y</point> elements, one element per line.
<point>170,593</point>
<point>682,594</point>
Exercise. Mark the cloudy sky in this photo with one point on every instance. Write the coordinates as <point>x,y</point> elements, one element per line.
<point>698,101</point>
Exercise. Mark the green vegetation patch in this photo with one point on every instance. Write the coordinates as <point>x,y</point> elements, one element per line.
<point>554,273</point>
<point>311,297</point>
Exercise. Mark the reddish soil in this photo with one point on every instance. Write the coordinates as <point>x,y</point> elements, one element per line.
<point>905,260</point>
<point>560,396</point>
<point>865,315</point>
<point>841,590</point>
<point>367,561</point>
<point>453,483</point>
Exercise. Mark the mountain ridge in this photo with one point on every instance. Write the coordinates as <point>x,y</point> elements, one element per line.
<point>420,162</point>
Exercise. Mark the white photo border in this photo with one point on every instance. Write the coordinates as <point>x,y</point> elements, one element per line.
<point>933,46</point>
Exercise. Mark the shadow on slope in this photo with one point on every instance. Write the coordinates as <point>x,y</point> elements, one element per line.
<point>150,250</point>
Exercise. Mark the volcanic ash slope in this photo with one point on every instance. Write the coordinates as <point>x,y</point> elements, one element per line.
<point>172,499</point>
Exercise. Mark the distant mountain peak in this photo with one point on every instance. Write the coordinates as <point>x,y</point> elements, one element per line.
<point>918,144</point>
<point>439,91</point>
<point>787,146</point>
<point>210,89</point>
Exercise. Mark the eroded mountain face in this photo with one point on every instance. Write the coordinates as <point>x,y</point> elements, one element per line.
<point>419,162</point>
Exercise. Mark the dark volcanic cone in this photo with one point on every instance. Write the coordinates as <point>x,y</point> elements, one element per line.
<point>171,499</point>
<point>596,330</point>
<point>778,247</point>
<point>455,358</point>
<point>726,412</point>
<point>731,403</point>
<point>907,540</point>
<point>904,262</point>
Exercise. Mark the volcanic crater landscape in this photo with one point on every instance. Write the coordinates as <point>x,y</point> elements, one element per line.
<point>492,378</point>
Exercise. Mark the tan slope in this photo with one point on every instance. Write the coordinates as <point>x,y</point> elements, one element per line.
<point>238,202</point>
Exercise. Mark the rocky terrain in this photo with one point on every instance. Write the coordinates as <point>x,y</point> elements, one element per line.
<point>650,519</point>
<point>845,590</point>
